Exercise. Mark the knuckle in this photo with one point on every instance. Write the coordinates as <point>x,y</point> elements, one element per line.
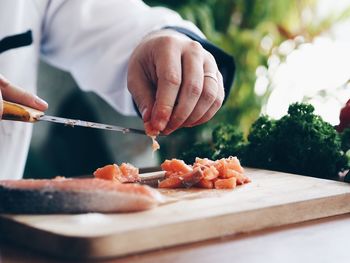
<point>194,89</point>
<point>195,49</point>
<point>209,95</point>
<point>176,120</point>
<point>217,103</point>
<point>165,41</point>
<point>163,111</point>
<point>194,45</point>
<point>172,78</point>
<point>210,57</point>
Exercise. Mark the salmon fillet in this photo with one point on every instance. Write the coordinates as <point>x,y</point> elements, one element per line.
<point>61,195</point>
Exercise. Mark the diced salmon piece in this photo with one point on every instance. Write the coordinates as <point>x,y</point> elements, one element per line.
<point>229,183</point>
<point>126,173</point>
<point>177,180</point>
<point>166,166</point>
<point>155,144</point>
<point>220,166</point>
<point>225,173</point>
<point>108,172</point>
<point>172,174</point>
<point>204,161</point>
<point>228,173</point>
<point>210,173</point>
<point>180,166</point>
<point>233,163</point>
<point>171,182</point>
<point>192,178</point>
<point>205,184</point>
<point>240,179</point>
<point>130,173</point>
<point>175,165</point>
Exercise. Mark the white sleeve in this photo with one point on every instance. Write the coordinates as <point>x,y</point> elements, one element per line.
<point>93,40</point>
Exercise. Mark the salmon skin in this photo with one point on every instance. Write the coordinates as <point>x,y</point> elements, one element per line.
<point>58,196</point>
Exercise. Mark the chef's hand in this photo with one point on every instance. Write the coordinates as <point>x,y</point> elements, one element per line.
<point>174,81</point>
<point>14,94</point>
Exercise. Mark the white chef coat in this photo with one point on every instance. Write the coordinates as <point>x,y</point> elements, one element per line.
<point>92,39</point>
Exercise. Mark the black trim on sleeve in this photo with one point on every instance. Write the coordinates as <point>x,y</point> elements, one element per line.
<point>225,62</point>
<point>16,41</point>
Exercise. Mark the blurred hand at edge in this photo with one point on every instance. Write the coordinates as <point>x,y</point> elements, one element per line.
<point>14,94</point>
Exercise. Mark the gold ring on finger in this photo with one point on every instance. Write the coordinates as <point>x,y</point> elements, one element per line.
<point>211,75</point>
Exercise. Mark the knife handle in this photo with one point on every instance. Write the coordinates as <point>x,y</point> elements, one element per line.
<point>17,112</point>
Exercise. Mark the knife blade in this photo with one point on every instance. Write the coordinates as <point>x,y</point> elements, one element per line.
<point>16,112</point>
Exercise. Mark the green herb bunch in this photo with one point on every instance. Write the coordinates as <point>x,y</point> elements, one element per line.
<point>300,142</point>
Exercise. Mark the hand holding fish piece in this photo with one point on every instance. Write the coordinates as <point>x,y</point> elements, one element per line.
<point>174,82</point>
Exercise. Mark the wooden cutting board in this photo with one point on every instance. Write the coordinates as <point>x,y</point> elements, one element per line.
<point>272,199</point>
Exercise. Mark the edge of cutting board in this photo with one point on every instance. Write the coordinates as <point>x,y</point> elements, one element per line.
<point>184,232</point>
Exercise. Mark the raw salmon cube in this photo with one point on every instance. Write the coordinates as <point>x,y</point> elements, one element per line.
<point>171,182</point>
<point>175,165</point>
<point>108,172</point>
<point>205,184</point>
<point>130,173</point>
<point>192,178</point>
<point>229,183</point>
<point>210,173</point>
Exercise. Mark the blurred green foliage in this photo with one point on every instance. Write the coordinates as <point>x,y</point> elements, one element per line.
<point>300,142</point>
<point>239,27</point>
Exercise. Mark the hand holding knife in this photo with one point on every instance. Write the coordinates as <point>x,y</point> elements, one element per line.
<point>17,112</point>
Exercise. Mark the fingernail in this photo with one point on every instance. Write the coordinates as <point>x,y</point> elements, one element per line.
<point>143,113</point>
<point>162,124</point>
<point>41,102</point>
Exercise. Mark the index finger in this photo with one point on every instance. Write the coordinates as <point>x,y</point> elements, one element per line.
<point>18,95</point>
<point>168,70</point>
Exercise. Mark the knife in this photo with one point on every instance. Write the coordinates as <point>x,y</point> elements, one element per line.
<point>16,112</point>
